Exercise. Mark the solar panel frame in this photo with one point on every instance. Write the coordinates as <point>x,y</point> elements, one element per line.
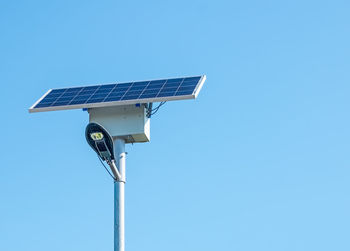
<point>59,104</point>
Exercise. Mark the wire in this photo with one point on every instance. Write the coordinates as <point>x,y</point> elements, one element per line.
<point>105,167</point>
<point>153,111</point>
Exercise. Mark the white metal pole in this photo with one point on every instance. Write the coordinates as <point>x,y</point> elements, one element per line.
<point>119,237</point>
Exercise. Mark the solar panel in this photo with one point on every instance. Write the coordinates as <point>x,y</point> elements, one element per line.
<point>119,94</point>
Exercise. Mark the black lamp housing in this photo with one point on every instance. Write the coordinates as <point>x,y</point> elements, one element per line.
<point>103,147</point>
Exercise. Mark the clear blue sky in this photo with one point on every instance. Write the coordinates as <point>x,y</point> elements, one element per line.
<point>260,161</point>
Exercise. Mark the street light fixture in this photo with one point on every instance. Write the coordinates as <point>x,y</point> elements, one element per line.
<point>119,114</point>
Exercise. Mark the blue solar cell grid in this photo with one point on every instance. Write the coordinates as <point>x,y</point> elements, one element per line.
<point>119,92</point>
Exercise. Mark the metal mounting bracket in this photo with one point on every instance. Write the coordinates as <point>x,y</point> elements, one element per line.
<point>117,176</point>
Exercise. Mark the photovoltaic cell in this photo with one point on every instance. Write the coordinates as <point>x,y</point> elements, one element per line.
<point>119,94</point>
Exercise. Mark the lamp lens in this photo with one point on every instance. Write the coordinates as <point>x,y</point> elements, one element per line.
<point>96,135</point>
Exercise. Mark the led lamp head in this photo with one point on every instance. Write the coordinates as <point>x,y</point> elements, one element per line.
<point>96,136</point>
<point>100,141</point>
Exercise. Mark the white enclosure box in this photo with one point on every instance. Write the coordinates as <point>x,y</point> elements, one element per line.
<point>129,122</point>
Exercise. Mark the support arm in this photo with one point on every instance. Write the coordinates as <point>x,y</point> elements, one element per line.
<point>115,171</point>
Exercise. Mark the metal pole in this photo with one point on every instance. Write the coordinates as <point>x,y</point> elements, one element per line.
<point>119,237</point>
